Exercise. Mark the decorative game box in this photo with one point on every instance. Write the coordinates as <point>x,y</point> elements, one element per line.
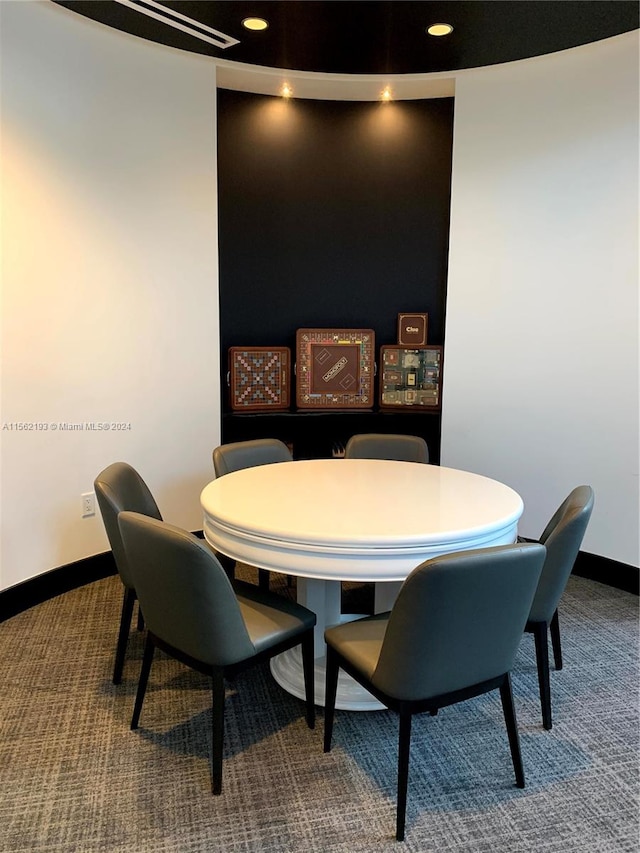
<point>334,368</point>
<point>412,330</point>
<point>410,377</point>
<point>259,378</point>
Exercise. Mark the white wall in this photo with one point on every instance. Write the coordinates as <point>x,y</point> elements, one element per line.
<point>541,366</point>
<point>109,276</point>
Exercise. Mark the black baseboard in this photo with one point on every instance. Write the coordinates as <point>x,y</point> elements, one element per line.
<point>29,593</point>
<point>24,595</point>
<point>609,572</point>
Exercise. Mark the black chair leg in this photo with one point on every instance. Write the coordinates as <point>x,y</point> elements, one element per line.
<point>509,711</point>
<point>123,633</point>
<point>554,628</point>
<point>140,618</point>
<point>403,772</point>
<point>227,564</point>
<point>331,688</point>
<point>263,579</point>
<point>217,711</point>
<point>147,660</point>
<point>542,660</point>
<point>308,671</point>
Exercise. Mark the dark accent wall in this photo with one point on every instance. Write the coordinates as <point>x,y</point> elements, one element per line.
<point>331,213</point>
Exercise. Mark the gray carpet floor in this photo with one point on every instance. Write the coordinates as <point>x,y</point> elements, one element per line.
<point>73,777</point>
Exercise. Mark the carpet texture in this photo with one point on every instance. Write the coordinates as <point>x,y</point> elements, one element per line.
<point>75,778</point>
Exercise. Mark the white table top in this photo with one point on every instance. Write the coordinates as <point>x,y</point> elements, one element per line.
<point>354,519</point>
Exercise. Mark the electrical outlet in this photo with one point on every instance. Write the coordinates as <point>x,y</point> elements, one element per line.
<point>88,504</point>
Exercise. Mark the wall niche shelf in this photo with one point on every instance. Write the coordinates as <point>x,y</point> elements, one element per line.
<point>315,435</point>
<point>330,216</point>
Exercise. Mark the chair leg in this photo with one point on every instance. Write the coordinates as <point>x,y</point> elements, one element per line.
<point>123,633</point>
<point>509,711</point>
<point>147,660</point>
<point>263,579</point>
<point>217,712</point>
<point>307,667</point>
<point>554,628</point>
<point>227,564</point>
<point>542,660</point>
<point>403,772</point>
<point>140,618</point>
<point>331,688</point>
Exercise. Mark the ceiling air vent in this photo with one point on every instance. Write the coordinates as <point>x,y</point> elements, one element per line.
<point>180,22</point>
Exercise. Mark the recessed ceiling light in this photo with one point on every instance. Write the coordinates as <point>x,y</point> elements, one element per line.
<point>255,24</point>
<point>386,95</point>
<point>286,91</point>
<point>440,29</point>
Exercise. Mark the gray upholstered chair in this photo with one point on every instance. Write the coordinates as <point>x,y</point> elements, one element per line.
<point>249,454</point>
<point>453,634</point>
<point>119,487</point>
<point>403,448</point>
<point>195,615</point>
<point>562,537</point>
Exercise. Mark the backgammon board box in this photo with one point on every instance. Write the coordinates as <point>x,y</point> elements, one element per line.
<point>410,377</point>
<point>334,368</point>
<point>259,378</point>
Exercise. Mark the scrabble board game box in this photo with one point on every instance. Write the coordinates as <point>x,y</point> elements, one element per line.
<point>259,378</point>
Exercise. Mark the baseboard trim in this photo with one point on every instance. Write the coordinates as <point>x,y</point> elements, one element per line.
<point>24,595</point>
<point>608,572</point>
<point>27,594</point>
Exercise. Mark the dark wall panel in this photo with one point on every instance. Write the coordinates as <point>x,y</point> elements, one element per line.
<point>331,213</point>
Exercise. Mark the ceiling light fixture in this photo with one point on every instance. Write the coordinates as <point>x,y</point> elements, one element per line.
<point>386,94</point>
<point>286,91</point>
<point>255,24</point>
<point>440,29</point>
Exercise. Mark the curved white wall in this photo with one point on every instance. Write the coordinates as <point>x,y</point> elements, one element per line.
<point>541,362</point>
<point>109,253</point>
<point>109,275</point>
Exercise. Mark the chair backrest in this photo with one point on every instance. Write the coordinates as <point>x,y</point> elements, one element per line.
<point>562,537</point>
<point>185,594</point>
<point>119,487</point>
<point>402,448</point>
<point>458,621</point>
<point>249,454</point>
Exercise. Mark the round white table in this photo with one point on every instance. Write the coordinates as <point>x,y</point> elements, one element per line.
<point>329,520</point>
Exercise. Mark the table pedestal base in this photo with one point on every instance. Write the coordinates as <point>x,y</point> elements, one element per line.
<point>323,597</point>
<point>287,671</point>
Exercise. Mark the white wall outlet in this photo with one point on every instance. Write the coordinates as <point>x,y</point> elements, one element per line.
<point>88,504</point>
